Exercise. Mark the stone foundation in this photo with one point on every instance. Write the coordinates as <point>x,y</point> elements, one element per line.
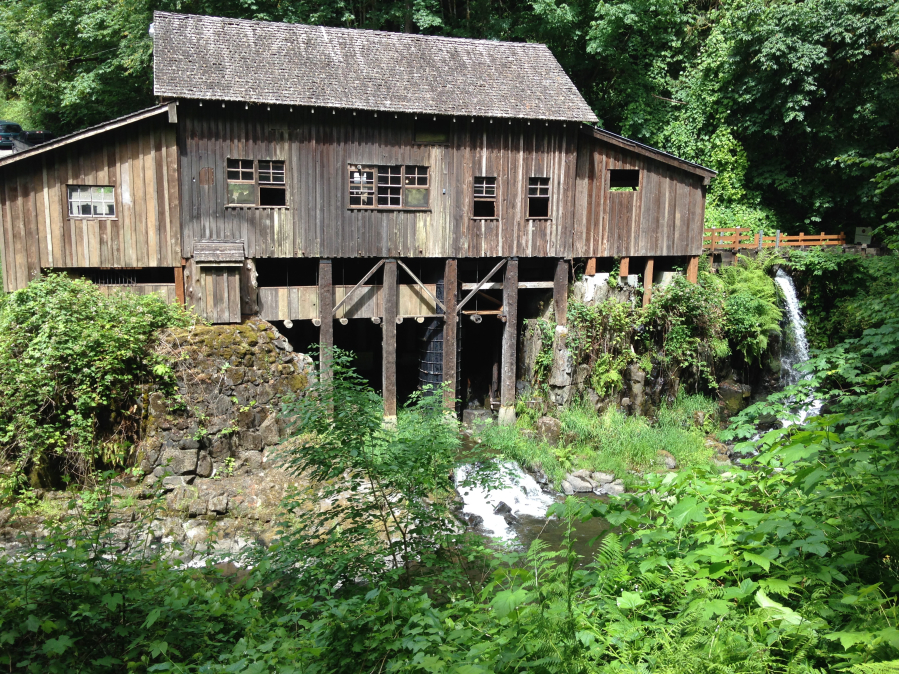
<point>223,418</point>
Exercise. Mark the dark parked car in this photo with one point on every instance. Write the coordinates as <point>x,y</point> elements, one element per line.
<point>9,131</point>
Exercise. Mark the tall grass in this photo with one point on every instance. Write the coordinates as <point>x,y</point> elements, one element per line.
<point>612,442</point>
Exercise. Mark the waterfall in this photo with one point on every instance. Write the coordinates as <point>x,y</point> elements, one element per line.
<point>795,347</point>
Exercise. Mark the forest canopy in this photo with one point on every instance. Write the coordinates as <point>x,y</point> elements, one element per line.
<point>795,103</point>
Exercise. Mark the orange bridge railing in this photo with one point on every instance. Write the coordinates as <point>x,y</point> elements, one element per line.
<point>737,238</point>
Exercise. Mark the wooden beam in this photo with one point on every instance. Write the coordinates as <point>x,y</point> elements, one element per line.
<point>647,282</point>
<point>693,269</point>
<point>624,269</point>
<point>591,267</point>
<point>437,303</point>
<point>326,316</point>
<point>179,285</point>
<point>358,285</point>
<point>522,285</point>
<point>388,342</point>
<point>560,292</point>
<point>450,331</point>
<point>483,282</point>
<point>510,344</point>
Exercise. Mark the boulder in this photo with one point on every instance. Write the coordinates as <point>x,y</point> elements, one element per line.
<point>474,520</point>
<point>549,430</point>
<point>579,485</point>
<point>614,488</point>
<point>734,396</point>
<point>472,418</point>
<point>666,459</point>
<point>180,461</point>
<point>204,465</point>
<point>251,460</point>
<point>250,441</point>
<point>602,478</point>
<point>219,504</point>
<point>567,488</point>
<point>502,508</point>
<point>175,481</point>
<point>269,431</point>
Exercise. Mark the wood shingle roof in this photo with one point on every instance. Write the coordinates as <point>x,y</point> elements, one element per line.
<point>213,58</point>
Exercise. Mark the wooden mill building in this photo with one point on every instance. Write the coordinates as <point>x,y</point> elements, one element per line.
<point>405,196</point>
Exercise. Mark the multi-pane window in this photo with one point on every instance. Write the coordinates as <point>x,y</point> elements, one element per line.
<point>484,205</point>
<point>389,186</point>
<point>91,201</point>
<point>538,197</point>
<point>362,187</point>
<point>256,183</point>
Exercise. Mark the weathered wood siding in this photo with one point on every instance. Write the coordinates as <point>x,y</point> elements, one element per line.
<point>318,148</point>
<point>139,160</point>
<point>664,217</point>
<point>301,302</point>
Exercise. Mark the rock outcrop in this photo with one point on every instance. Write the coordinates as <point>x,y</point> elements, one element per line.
<point>223,415</point>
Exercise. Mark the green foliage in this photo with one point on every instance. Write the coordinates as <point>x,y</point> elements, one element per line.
<point>752,309</point>
<point>838,291</point>
<point>613,441</point>
<point>388,487</point>
<point>70,361</point>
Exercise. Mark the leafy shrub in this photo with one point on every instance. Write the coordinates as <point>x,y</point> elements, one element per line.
<point>752,309</point>
<point>70,359</point>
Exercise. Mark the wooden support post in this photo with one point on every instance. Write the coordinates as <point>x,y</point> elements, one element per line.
<point>450,328</point>
<point>510,344</point>
<point>777,240</point>
<point>388,342</point>
<point>179,285</point>
<point>693,269</point>
<point>560,292</point>
<point>326,316</point>
<point>625,267</point>
<point>591,267</point>
<point>647,282</point>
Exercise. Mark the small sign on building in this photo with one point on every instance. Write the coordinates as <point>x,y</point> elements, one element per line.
<point>863,235</point>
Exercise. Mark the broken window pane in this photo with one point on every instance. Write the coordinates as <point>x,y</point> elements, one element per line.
<point>272,196</point>
<point>484,208</point>
<point>362,187</point>
<point>538,197</point>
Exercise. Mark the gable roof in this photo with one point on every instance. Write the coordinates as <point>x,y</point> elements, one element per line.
<point>204,57</point>
<point>85,133</point>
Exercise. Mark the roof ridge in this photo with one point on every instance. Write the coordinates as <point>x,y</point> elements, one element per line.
<point>370,31</point>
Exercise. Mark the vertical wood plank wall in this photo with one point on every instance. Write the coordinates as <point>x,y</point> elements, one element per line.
<point>664,217</point>
<point>586,219</point>
<point>139,160</point>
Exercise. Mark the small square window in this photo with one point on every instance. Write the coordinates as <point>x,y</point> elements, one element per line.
<point>256,183</point>
<point>362,187</point>
<point>240,170</point>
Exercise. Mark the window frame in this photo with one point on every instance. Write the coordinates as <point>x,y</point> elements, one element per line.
<point>615,176</point>
<point>91,216</point>
<point>547,197</point>
<point>257,182</point>
<point>475,197</point>
<point>402,184</point>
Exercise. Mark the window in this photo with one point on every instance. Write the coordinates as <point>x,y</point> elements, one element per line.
<point>91,202</point>
<point>484,205</point>
<point>389,186</point>
<point>538,197</point>
<point>256,183</point>
<point>432,131</point>
<point>624,180</point>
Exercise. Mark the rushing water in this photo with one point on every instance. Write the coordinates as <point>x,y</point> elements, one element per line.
<point>795,347</point>
<point>528,503</point>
